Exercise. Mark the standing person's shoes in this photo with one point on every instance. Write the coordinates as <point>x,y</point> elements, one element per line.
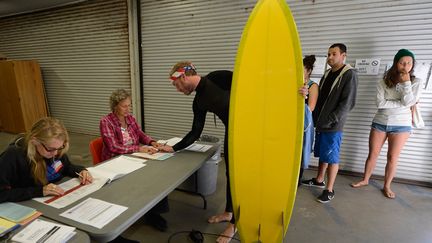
<point>313,182</point>
<point>326,196</point>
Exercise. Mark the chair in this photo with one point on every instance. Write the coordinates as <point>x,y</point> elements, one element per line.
<point>96,150</point>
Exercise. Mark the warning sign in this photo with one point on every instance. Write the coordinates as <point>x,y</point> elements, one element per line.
<point>368,66</point>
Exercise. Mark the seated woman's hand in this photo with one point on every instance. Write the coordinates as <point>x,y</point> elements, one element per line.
<point>157,145</point>
<point>148,149</point>
<point>85,177</point>
<point>52,189</point>
<point>166,148</point>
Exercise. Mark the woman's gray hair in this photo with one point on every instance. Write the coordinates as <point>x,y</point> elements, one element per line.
<point>117,96</point>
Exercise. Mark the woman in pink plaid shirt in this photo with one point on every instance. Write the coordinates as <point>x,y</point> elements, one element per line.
<point>121,134</point>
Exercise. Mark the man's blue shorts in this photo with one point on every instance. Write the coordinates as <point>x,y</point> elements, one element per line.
<point>327,146</point>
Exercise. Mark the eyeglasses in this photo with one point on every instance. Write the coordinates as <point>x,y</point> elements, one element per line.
<point>50,150</point>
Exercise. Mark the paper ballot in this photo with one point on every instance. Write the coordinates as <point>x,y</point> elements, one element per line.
<point>117,167</point>
<point>94,212</point>
<point>102,174</point>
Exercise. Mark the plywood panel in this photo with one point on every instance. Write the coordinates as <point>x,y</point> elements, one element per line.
<point>22,100</point>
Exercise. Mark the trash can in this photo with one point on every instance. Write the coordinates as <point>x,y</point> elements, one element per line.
<point>204,180</point>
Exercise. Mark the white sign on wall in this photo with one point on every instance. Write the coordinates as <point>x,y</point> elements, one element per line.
<point>320,66</point>
<point>422,70</point>
<point>368,66</point>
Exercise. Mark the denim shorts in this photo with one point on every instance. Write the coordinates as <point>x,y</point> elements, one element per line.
<point>327,146</point>
<point>391,129</point>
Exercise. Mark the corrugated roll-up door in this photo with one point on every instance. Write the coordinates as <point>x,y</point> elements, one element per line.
<point>208,32</point>
<point>83,50</point>
<point>204,32</point>
<point>373,29</point>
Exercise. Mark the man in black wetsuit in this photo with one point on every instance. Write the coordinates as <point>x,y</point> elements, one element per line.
<point>212,95</point>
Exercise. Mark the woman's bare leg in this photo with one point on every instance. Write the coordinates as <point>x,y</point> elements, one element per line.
<point>376,141</point>
<point>396,142</point>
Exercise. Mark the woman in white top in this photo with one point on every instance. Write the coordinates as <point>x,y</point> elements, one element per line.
<point>396,94</point>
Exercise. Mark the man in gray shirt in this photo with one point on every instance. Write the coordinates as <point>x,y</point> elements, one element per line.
<point>337,94</point>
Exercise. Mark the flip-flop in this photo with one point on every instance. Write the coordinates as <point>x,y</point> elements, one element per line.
<point>388,194</point>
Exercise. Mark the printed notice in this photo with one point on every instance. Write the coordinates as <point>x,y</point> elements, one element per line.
<point>368,66</point>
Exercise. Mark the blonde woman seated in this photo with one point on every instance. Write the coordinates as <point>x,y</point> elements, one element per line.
<point>121,134</point>
<point>34,161</point>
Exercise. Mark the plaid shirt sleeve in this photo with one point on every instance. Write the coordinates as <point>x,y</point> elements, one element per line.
<point>113,140</point>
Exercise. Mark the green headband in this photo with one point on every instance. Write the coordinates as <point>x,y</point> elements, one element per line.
<point>403,53</point>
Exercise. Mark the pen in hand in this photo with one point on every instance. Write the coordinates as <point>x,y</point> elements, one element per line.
<point>82,178</point>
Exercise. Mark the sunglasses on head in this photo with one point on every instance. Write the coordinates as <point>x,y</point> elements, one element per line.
<point>181,71</point>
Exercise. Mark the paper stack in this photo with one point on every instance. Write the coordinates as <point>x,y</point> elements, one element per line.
<point>17,213</point>
<point>44,231</point>
<point>7,226</point>
<point>13,215</point>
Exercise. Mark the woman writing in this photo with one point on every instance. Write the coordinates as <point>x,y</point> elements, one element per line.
<point>34,161</point>
<point>396,93</point>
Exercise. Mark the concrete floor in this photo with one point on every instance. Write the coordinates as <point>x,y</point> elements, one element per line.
<point>354,215</point>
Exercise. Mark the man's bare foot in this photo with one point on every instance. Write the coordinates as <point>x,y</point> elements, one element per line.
<point>388,193</point>
<point>225,217</point>
<point>359,184</point>
<point>228,234</point>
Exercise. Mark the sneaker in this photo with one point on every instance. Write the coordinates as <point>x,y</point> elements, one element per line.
<point>313,182</point>
<point>326,196</point>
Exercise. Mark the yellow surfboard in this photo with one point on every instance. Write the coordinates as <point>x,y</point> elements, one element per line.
<point>266,123</point>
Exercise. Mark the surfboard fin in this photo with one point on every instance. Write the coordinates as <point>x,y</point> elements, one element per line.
<point>283,225</point>
<point>259,235</point>
<point>282,220</point>
<point>237,215</point>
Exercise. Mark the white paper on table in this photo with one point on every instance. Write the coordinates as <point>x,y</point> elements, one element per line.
<point>94,212</point>
<point>117,167</point>
<point>196,147</point>
<point>44,231</point>
<point>74,195</point>
<point>155,156</point>
<point>171,141</point>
